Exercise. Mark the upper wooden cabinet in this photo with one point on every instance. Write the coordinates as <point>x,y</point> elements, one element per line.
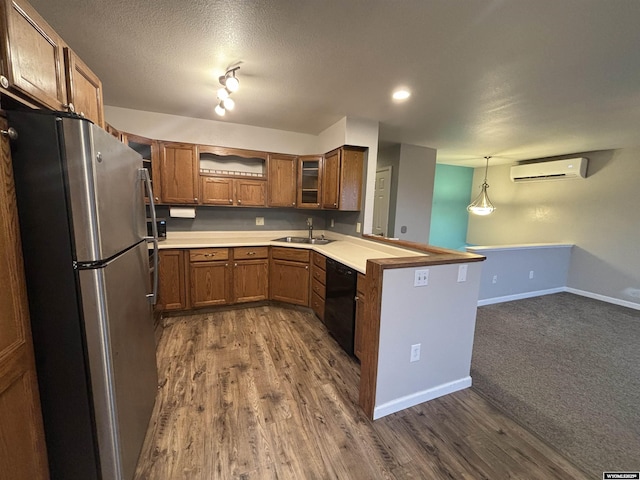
<point>37,65</point>
<point>331,180</point>
<point>342,179</point>
<point>84,88</point>
<point>309,181</point>
<point>282,180</point>
<point>233,191</point>
<point>179,171</point>
<point>150,153</point>
<point>32,56</point>
<point>231,176</point>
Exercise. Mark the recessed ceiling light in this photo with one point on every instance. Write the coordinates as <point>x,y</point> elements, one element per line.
<point>401,94</point>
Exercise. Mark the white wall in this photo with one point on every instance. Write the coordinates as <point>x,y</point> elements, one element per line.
<point>600,215</point>
<point>441,317</point>
<point>416,174</point>
<point>174,128</point>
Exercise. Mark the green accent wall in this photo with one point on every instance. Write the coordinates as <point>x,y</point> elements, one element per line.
<point>449,216</point>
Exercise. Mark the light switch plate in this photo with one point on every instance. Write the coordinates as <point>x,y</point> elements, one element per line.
<point>259,220</point>
<point>462,272</point>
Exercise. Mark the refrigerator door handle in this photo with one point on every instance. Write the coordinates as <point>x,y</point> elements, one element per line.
<point>146,178</point>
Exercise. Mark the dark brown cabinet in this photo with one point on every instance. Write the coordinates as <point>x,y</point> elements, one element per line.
<point>232,191</point>
<point>360,303</point>
<point>33,58</point>
<point>23,454</point>
<point>318,284</point>
<point>282,180</point>
<point>209,277</point>
<point>309,181</point>
<point>289,275</point>
<point>178,173</point>
<point>148,149</point>
<point>84,88</point>
<point>342,179</point>
<point>250,274</point>
<point>171,280</point>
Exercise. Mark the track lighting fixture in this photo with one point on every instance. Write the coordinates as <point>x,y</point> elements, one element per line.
<point>482,205</point>
<point>230,84</point>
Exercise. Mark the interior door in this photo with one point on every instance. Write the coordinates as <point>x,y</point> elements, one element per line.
<point>22,446</point>
<point>381,202</point>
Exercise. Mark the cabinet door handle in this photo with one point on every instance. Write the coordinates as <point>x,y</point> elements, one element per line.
<point>239,202</point>
<point>4,81</point>
<point>335,204</point>
<point>230,201</point>
<point>251,253</point>
<point>69,106</point>
<point>306,267</point>
<point>156,199</point>
<point>10,132</point>
<point>235,264</point>
<point>195,199</point>
<point>209,254</point>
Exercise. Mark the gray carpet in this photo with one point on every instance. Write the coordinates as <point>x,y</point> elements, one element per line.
<point>567,368</point>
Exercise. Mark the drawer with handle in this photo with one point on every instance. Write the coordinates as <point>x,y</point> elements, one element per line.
<point>208,254</point>
<point>249,253</point>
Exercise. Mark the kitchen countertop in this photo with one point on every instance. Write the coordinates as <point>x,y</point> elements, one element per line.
<point>350,251</point>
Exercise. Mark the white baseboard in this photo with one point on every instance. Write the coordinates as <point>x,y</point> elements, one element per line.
<point>604,298</point>
<point>520,296</point>
<point>538,293</point>
<point>420,397</point>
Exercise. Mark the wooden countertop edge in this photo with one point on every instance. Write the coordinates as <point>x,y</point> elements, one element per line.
<point>435,255</point>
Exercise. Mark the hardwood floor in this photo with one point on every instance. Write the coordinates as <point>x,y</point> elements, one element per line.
<point>265,393</point>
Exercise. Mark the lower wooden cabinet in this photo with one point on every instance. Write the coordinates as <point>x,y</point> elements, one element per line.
<point>318,284</point>
<point>209,277</point>
<point>360,302</point>
<point>171,280</point>
<point>289,275</point>
<point>206,277</point>
<point>250,274</point>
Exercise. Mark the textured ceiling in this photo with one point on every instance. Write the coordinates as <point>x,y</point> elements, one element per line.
<point>516,79</point>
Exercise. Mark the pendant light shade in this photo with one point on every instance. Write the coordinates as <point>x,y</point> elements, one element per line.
<point>482,205</point>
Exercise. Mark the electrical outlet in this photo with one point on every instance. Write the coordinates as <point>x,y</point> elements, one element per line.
<point>259,220</point>
<point>462,272</point>
<point>333,223</point>
<point>358,227</point>
<point>309,220</point>
<point>495,279</point>
<point>530,274</point>
<point>415,352</point>
<point>421,278</point>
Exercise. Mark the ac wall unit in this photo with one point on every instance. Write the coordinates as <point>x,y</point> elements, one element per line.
<point>552,170</point>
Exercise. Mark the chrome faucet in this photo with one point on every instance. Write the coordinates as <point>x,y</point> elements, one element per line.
<point>310,225</point>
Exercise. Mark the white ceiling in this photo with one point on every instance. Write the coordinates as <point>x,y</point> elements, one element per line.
<point>515,79</point>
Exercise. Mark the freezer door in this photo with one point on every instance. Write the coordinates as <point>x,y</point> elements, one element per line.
<point>105,191</point>
<point>122,361</point>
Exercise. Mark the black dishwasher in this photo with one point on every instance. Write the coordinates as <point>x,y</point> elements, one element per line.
<point>340,304</point>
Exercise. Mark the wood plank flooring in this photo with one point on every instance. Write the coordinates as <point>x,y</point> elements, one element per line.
<point>266,393</point>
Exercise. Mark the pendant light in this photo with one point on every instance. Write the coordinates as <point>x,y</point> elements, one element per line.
<point>482,205</point>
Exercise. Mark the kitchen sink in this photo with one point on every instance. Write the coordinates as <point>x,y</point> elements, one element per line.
<point>312,241</point>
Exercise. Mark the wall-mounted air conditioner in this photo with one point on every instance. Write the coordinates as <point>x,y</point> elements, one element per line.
<point>552,170</point>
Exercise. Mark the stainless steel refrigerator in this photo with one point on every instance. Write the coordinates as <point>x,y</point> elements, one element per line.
<point>83,225</point>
